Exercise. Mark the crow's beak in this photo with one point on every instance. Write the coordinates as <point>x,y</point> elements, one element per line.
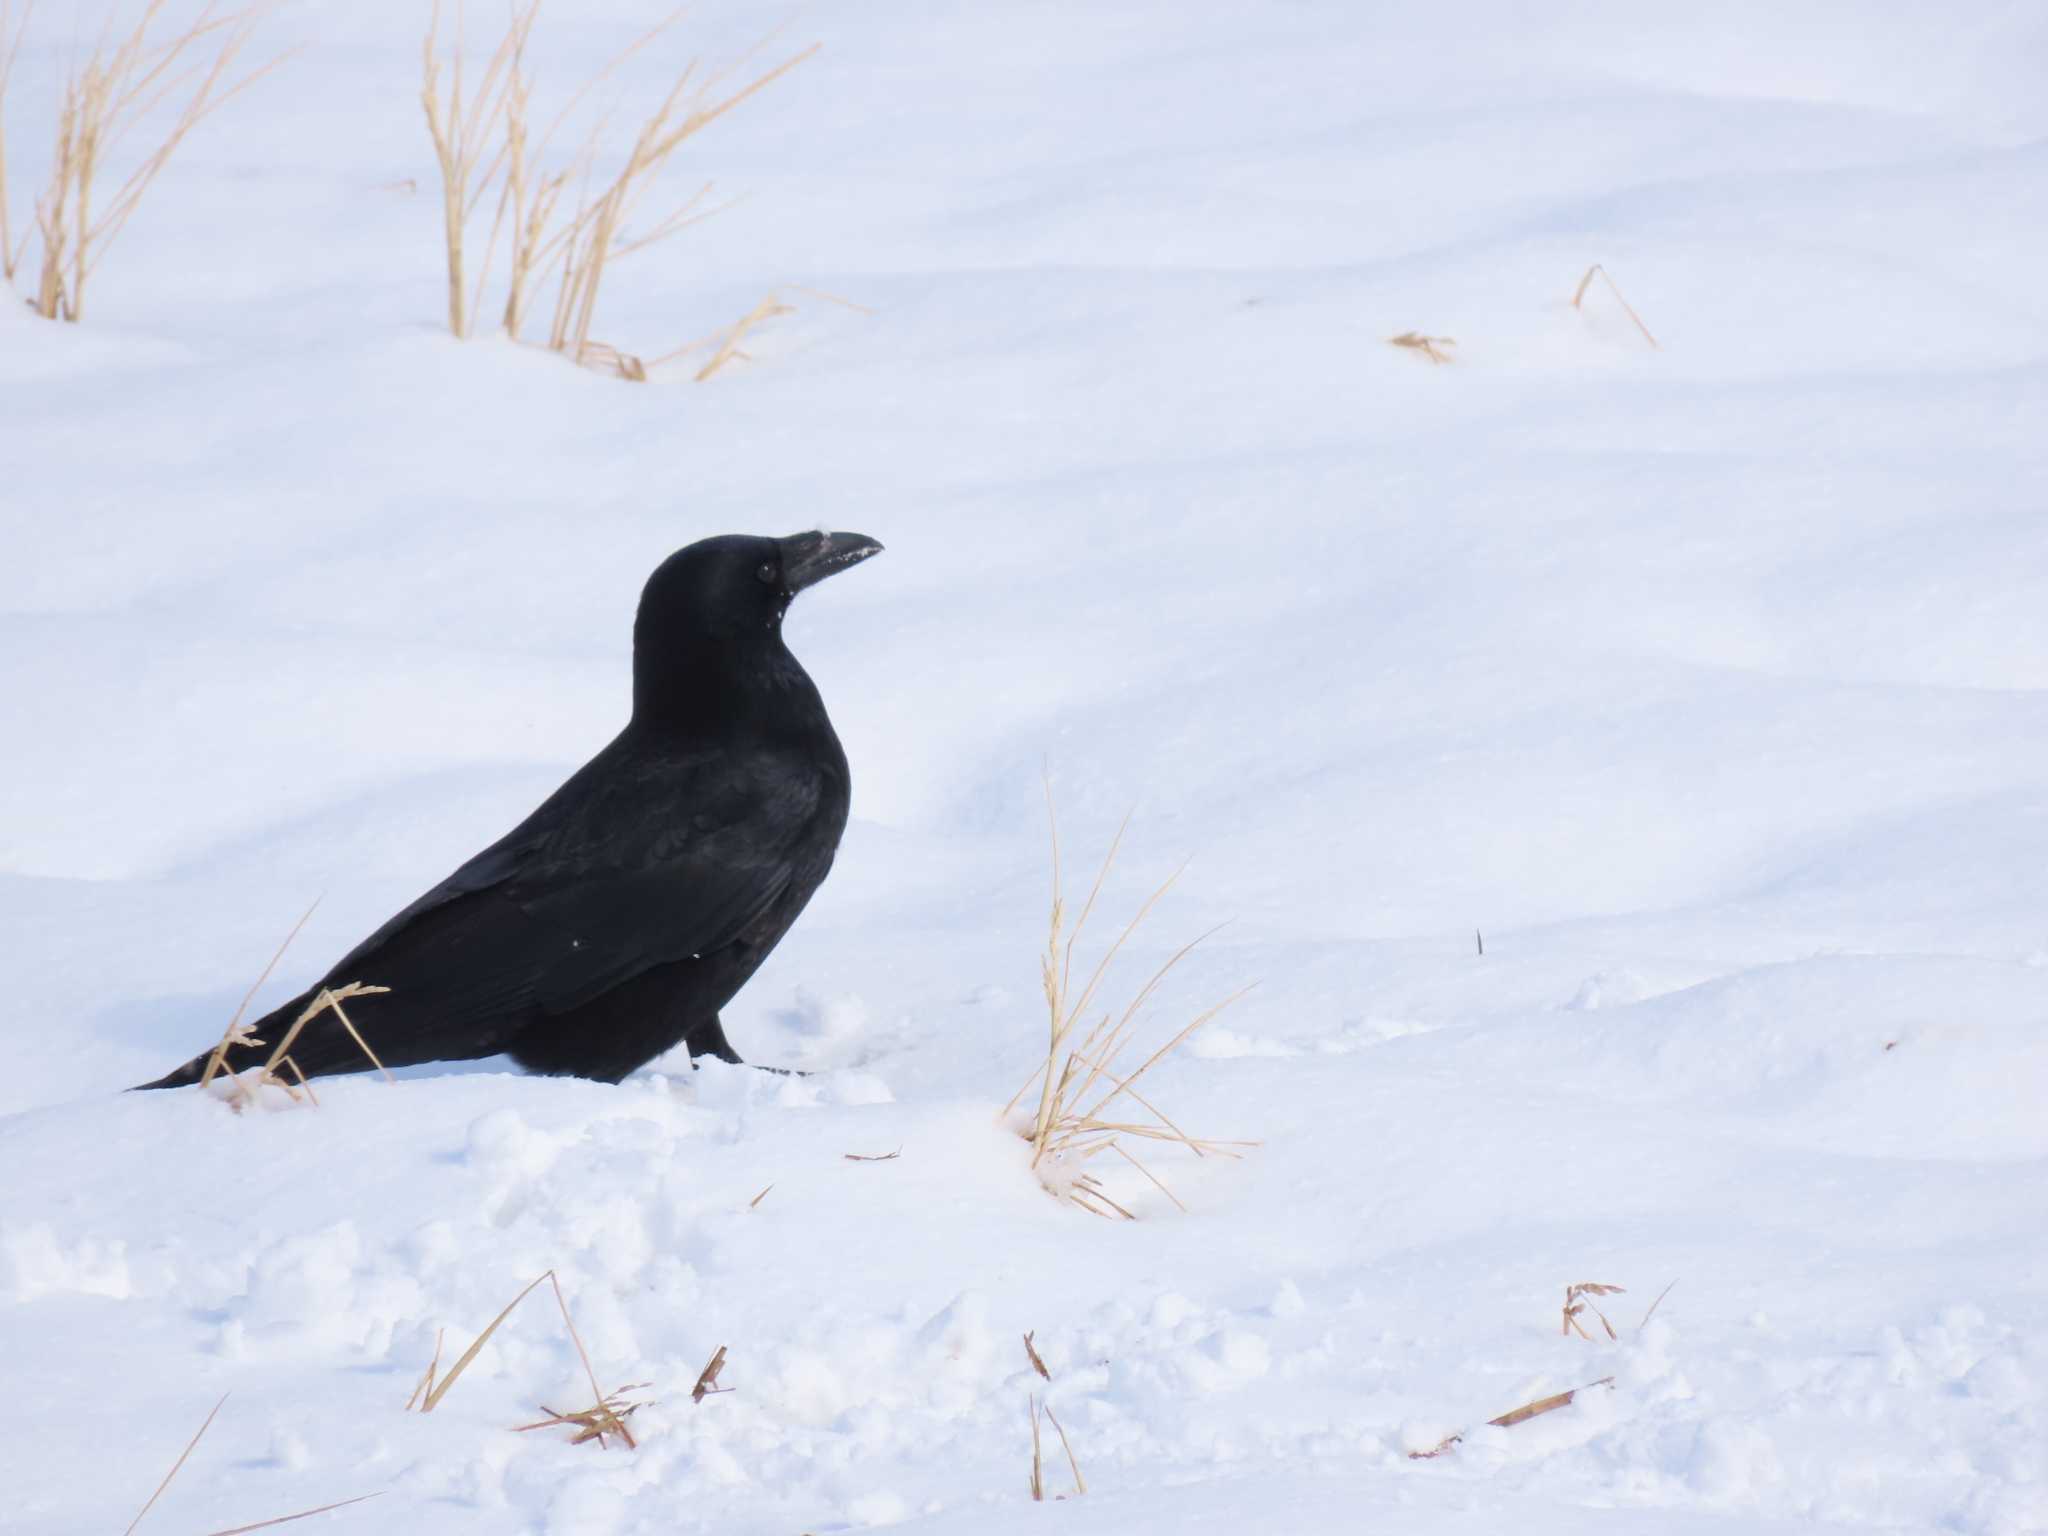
<point>808,558</point>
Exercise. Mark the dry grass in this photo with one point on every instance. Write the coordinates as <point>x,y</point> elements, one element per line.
<point>608,1417</point>
<point>236,1035</point>
<point>485,139</point>
<point>1512,1417</point>
<point>1435,348</point>
<point>463,130</point>
<point>1578,1300</point>
<point>1579,299</point>
<point>1038,1454</point>
<point>121,85</point>
<point>707,1379</point>
<point>1080,1114</point>
<point>1544,1405</point>
<point>10,44</point>
<point>607,1414</point>
<point>1654,1306</point>
<point>1031,1354</point>
<point>185,1455</point>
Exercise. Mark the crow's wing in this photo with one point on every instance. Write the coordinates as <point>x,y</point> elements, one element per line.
<point>635,862</point>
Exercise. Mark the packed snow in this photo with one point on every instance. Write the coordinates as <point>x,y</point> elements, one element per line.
<point>1703,684</point>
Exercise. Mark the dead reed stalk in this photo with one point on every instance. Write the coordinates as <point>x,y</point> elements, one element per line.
<point>120,85</point>
<point>1079,1082</point>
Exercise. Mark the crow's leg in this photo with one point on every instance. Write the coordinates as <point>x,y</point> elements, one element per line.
<point>707,1038</point>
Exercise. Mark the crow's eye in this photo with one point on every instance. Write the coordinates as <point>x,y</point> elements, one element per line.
<point>767,571</point>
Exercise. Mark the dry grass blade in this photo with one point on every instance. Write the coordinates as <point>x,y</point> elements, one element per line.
<point>1579,297</point>
<point>335,1000</point>
<point>1512,1417</point>
<point>1653,1307</point>
<point>1031,1352</point>
<point>770,308</point>
<point>1037,1456</point>
<point>751,1204</point>
<point>434,1394</point>
<point>1435,348</point>
<point>707,1379</point>
<point>1576,1304</point>
<point>1544,1405</point>
<point>426,1383</point>
<point>182,1455</point>
<point>304,1514</point>
<point>1080,1483</point>
<point>327,999</point>
<point>872,1157</point>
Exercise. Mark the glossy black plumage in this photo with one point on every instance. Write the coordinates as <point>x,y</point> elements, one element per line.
<point>616,920</point>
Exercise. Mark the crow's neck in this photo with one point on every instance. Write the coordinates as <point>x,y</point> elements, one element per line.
<point>724,691</point>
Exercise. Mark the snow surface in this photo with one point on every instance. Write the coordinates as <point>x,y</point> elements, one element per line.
<point>1709,683</point>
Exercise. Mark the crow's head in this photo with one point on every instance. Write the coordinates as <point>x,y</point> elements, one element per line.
<point>714,608</point>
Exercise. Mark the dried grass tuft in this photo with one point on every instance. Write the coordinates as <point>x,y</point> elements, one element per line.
<point>120,85</point>
<point>237,1036</point>
<point>1031,1353</point>
<point>486,140</point>
<point>1435,348</point>
<point>1080,1081</point>
<point>1579,300</point>
<point>11,33</point>
<point>608,1412</point>
<point>607,1417</point>
<point>1578,1301</point>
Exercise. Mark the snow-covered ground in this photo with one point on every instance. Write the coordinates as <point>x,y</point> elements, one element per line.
<point>1709,683</point>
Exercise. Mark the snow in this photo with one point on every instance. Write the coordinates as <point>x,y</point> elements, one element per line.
<point>1708,683</point>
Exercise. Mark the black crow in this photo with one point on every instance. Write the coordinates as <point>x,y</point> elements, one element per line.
<point>618,918</point>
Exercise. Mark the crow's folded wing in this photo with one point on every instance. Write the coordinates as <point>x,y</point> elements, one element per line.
<point>630,865</point>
